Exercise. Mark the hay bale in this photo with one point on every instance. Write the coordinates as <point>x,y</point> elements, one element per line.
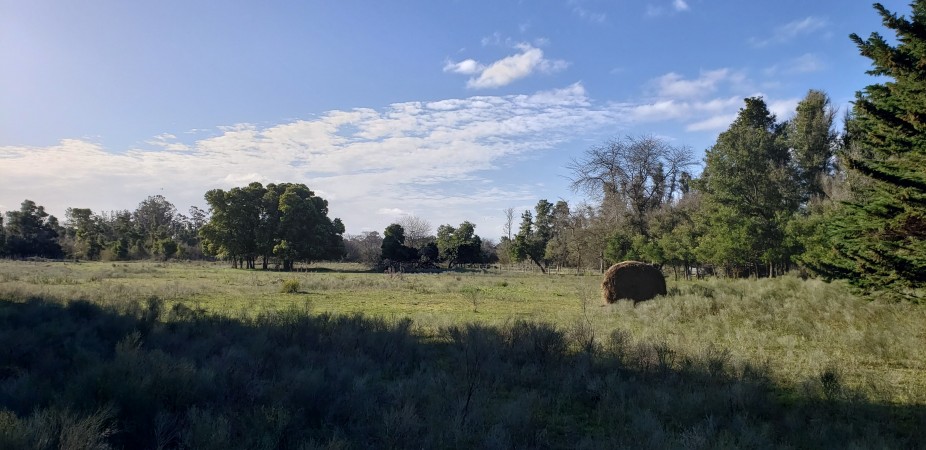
<point>632,280</point>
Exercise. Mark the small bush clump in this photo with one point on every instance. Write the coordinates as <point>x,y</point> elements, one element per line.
<point>290,286</point>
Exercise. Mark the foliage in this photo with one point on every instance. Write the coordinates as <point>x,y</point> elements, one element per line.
<point>813,141</point>
<point>290,286</point>
<point>749,192</point>
<point>534,235</point>
<point>418,231</point>
<point>32,232</point>
<point>459,245</point>
<point>393,246</point>
<point>632,176</point>
<point>284,220</point>
<point>365,248</point>
<point>878,237</point>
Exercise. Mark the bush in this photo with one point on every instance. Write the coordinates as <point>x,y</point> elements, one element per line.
<point>290,286</point>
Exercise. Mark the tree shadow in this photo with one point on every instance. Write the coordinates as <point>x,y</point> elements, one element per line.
<point>140,376</point>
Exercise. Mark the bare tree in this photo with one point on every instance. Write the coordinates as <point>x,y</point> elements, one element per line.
<point>418,231</point>
<point>632,176</point>
<point>509,222</point>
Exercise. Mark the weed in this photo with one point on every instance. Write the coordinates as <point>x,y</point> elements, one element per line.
<point>290,286</point>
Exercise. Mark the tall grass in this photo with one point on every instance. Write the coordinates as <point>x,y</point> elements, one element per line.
<point>183,356</point>
<point>85,376</point>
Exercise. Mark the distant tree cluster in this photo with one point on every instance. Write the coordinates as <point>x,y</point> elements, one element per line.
<point>284,222</point>
<point>410,243</point>
<point>154,230</point>
<point>759,177</point>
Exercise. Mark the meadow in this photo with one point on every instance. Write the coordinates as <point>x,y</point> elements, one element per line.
<point>184,355</point>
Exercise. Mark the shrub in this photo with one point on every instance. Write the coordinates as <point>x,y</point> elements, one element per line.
<point>290,286</point>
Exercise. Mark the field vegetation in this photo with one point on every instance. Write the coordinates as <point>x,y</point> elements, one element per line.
<point>171,355</point>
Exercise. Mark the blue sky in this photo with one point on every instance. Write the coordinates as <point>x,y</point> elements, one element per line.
<point>447,110</point>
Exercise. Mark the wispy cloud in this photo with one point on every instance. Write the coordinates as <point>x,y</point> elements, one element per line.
<point>420,156</point>
<point>805,63</point>
<point>527,61</point>
<point>673,85</point>
<point>676,6</point>
<point>586,14</point>
<point>790,31</point>
<point>706,103</point>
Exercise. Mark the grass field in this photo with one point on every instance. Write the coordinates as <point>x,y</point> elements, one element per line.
<point>499,360</point>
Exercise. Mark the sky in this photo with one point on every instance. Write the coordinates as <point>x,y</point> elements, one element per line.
<point>448,110</point>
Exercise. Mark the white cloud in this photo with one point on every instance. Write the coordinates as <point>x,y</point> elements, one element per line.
<point>527,61</point>
<point>783,109</point>
<point>673,85</point>
<point>466,67</point>
<point>715,123</point>
<point>413,156</point>
<point>654,11</point>
<point>789,31</point>
<point>390,212</point>
<point>805,63</point>
<point>680,5</point>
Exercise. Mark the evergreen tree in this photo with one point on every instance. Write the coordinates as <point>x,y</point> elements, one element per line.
<point>32,232</point>
<point>534,235</point>
<point>813,141</point>
<point>878,238</point>
<point>393,246</point>
<point>749,189</point>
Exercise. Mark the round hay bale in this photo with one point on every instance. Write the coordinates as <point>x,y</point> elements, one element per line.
<point>633,280</point>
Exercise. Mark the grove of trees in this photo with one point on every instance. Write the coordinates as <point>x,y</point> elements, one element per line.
<point>286,221</point>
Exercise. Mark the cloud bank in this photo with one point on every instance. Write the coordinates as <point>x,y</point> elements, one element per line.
<point>425,158</point>
<point>449,160</point>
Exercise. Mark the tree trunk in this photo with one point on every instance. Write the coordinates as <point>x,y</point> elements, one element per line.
<point>542,269</point>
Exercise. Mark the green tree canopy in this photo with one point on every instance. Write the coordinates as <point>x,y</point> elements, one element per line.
<point>459,245</point>
<point>813,141</point>
<point>535,233</point>
<point>284,220</point>
<point>749,189</point>
<point>32,232</point>
<point>878,238</point>
<point>393,246</point>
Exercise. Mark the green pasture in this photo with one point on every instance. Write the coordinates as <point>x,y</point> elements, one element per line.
<point>798,329</point>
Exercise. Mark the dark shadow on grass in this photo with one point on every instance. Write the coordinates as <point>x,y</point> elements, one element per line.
<point>82,376</point>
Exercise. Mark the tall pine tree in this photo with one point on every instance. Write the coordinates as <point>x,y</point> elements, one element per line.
<point>878,238</point>
<point>749,193</point>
